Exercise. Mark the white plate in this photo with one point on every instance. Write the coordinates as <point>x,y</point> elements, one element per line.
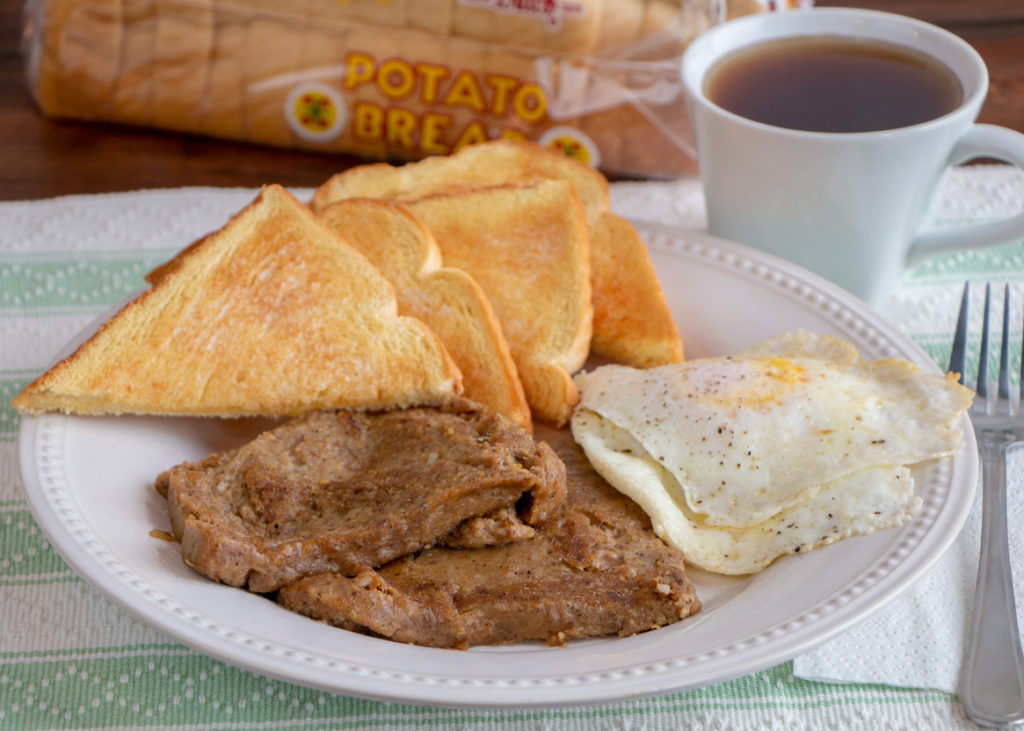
<point>89,486</point>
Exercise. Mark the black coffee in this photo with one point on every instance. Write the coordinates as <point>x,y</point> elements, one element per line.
<point>833,84</point>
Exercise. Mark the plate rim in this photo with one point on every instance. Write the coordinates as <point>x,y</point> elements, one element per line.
<point>824,619</point>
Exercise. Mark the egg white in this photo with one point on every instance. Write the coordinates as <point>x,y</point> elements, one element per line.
<point>862,503</point>
<point>782,448</point>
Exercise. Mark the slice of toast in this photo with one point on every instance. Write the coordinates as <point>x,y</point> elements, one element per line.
<point>271,315</point>
<point>527,247</point>
<point>632,320</point>
<point>499,162</point>
<point>449,300</point>
<point>630,326</point>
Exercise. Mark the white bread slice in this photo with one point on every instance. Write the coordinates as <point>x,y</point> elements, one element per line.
<point>74,64</point>
<point>449,300</point>
<point>272,315</point>
<point>527,246</point>
<point>181,60</point>
<point>132,94</point>
<point>220,111</point>
<point>632,321</point>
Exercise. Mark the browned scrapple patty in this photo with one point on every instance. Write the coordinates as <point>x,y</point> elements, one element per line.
<point>594,568</point>
<point>339,491</point>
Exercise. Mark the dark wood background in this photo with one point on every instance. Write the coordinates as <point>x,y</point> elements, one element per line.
<point>41,158</point>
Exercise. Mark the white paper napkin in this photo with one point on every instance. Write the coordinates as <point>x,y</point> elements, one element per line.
<point>919,640</point>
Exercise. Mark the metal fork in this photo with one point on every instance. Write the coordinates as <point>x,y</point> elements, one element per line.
<point>992,679</point>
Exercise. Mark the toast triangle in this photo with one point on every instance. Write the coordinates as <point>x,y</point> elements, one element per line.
<point>632,321</point>
<point>449,300</point>
<point>271,315</point>
<point>527,247</point>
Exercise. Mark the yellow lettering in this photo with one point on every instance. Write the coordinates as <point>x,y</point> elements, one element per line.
<point>432,134</point>
<point>400,125</point>
<point>358,69</point>
<point>512,134</point>
<point>529,103</point>
<point>503,87</point>
<point>432,76</point>
<point>396,79</point>
<point>465,92</point>
<point>474,133</point>
<point>367,122</point>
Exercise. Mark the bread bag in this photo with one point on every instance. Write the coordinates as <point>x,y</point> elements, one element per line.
<point>384,79</point>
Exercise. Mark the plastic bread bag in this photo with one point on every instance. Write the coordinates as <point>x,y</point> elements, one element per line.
<point>384,79</point>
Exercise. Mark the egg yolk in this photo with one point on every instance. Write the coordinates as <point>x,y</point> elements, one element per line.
<point>751,383</point>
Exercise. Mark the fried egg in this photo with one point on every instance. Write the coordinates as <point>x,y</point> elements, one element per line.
<point>780,448</point>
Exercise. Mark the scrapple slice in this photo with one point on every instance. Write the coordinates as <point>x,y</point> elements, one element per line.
<point>593,568</point>
<point>340,491</point>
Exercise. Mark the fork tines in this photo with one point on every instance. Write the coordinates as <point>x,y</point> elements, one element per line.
<point>958,356</point>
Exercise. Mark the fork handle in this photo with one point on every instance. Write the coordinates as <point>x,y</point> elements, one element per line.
<point>992,685</point>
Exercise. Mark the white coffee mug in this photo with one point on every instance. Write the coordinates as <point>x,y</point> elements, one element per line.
<point>849,206</point>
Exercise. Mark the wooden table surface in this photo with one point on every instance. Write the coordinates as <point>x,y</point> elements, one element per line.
<point>41,158</point>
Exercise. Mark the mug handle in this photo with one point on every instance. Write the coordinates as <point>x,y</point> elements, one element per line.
<point>982,140</point>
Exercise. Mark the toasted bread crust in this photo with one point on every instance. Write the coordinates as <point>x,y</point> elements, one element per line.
<point>271,315</point>
<point>449,300</point>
